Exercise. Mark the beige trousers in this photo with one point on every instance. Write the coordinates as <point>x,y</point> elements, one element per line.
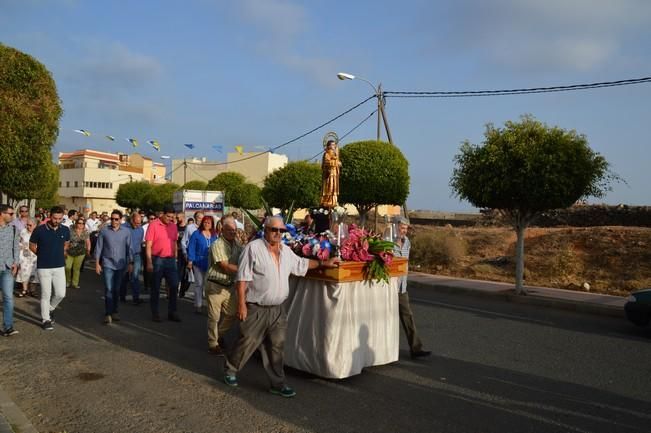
<point>219,300</point>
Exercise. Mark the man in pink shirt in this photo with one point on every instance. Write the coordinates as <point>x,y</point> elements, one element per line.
<point>161,255</point>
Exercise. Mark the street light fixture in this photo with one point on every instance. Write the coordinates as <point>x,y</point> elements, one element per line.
<point>380,102</point>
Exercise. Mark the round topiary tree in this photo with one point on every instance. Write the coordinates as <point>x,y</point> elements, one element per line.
<point>299,182</point>
<point>30,110</point>
<point>373,173</point>
<point>525,169</point>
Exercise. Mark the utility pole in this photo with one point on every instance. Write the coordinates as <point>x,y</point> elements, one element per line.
<point>378,94</point>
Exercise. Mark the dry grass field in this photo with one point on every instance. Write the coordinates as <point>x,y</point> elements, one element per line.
<point>612,260</point>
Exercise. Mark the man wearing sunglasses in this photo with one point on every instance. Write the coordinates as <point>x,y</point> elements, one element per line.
<point>9,259</point>
<point>113,255</point>
<point>262,286</point>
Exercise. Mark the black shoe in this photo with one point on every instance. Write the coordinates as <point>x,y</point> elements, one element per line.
<point>173,317</point>
<point>155,317</point>
<point>420,354</point>
<point>47,325</point>
<point>52,316</point>
<point>9,332</point>
<point>182,294</point>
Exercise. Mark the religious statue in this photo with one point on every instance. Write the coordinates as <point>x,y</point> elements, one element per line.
<point>330,167</point>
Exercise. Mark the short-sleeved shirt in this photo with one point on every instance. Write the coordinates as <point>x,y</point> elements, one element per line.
<point>163,238</point>
<point>268,283</point>
<point>223,251</point>
<point>403,252</point>
<point>78,243</point>
<point>50,245</point>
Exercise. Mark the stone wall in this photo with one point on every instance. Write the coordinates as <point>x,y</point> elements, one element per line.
<point>584,216</point>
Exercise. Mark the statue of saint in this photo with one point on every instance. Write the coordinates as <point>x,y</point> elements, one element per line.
<point>330,167</point>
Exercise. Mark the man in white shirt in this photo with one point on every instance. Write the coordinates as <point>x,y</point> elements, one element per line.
<point>189,229</point>
<point>262,286</point>
<point>92,222</point>
<point>70,219</point>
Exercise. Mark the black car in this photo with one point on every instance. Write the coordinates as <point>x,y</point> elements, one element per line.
<point>638,307</point>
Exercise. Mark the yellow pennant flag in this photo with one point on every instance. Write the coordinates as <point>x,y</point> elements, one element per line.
<point>239,149</point>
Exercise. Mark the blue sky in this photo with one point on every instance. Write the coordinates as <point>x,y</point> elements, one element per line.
<point>260,72</point>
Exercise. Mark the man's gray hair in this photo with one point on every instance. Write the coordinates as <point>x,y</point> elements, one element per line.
<point>269,221</point>
<point>228,220</point>
<point>403,220</point>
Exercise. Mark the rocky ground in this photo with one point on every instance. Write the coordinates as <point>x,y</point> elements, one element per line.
<point>612,260</point>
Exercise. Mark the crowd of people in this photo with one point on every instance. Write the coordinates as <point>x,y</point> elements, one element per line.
<point>241,279</point>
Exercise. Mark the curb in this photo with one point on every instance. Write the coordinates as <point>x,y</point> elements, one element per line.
<point>15,417</point>
<point>530,299</point>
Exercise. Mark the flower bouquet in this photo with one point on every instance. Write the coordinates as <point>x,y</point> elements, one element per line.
<point>364,246</point>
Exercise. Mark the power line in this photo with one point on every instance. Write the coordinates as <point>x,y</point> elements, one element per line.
<point>522,91</point>
<point>348,133</point>
<point>271,150</point>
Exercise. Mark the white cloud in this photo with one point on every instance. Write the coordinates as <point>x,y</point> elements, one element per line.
<point>282,25</point>
<point>551,34</point>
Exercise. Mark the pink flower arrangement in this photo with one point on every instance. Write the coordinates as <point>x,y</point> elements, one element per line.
<point>364,246</point>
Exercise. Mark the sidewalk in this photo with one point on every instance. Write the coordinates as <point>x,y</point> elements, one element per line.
<point>12,419</point>
<point>544,296</point>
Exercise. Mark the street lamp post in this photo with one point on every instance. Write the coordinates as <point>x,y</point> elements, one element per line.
<point>381,114</point>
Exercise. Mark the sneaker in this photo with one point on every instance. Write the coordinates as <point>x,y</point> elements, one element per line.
<point>115,317</point>
<point>47,325</point>
<point>230,379</point>
<point>420,354</point>
<point>285,391</point>
<point>9,332</point>
<point>173,317</point>
<point>107,319</point>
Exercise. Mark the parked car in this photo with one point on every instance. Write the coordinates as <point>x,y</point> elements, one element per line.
<point>638,307</point>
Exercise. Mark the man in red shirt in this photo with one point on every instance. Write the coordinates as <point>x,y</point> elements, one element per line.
<point>161,256</point>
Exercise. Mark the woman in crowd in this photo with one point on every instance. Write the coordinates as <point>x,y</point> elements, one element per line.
<point>198,249</point>
<point>79,247</point>
<point>27,272</point>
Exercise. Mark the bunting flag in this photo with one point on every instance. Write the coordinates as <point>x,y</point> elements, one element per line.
<point>239,149</point>
<point>165,157</point>
<point>133,142</point>
<point>83,132</point>
<point>218,148</point>
<point>155,145</point>
<point>189,146</point>
<point>110,137</point>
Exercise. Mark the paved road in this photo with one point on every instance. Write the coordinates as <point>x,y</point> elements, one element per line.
<point>497,367</point>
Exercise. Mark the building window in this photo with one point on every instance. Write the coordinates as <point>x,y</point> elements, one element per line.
<point>67,184</point>
<point>111,185</point>
<point>60,184</point>
<point>94,184</point>
<point>76,184</point>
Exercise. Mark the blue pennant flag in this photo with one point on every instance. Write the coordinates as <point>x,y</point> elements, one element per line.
<point>189,146</point>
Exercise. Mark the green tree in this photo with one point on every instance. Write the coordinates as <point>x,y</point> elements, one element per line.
<point>298,182</point>
<point>373,173</point>
<point>527,168</point>
<point>246,196</point>
<point>45,192</point>
<point>159,196</point>
<point>226,182</point>
<point>131,194</point>
<point>30,110</point>
<point>196,185</point>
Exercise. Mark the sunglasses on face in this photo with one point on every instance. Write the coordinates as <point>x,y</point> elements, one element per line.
<point>276,230</point>
<point>115,219</point>
<point>23,210</point>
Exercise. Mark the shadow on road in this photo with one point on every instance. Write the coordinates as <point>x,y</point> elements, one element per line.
<point>436,394</point>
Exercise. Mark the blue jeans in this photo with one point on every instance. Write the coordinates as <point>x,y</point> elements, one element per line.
<point>7,283</point>
<point>164,267</point>
<point>112,280</point>
<point>133,278</point>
